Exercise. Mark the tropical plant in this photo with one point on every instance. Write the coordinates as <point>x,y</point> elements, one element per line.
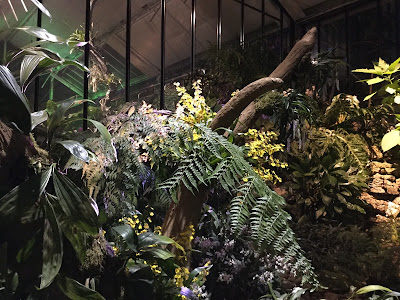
<point>147,270</point>
<point>291,114</point>
<point>239,270</point>
<point>325,186</point>
<point>389,91</point>
<point>197,157</point>
<point>48,205</point>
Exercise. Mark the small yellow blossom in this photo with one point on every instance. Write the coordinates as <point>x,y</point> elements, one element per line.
<point>261,149</point>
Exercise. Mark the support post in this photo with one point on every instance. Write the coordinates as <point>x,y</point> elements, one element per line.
<point>162,71</point>
<point>281,33</point>
<point>37,79</point>
<point>379,26</point>
<point>128,50</point>
<point>262,19</point>
<point>193,34</point>
<point>319,37</point>
<point>219,25</point>
<point>86,62</point>
<point>242,24</point>
<point>397,7</point>
<point>347,37</point>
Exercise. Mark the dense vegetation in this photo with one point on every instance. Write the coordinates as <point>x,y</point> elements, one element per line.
<point>272,208</point>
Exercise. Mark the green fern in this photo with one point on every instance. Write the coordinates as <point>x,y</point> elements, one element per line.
<point>254,202</point>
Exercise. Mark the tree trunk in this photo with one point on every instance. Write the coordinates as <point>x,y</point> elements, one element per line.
<point>250,115</point>
<point>188,209</point>
<point>231,110</point>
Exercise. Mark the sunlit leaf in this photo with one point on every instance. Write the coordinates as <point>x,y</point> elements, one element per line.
<point>28,65</point>
<point>42,8</point>
<point>368,71</point>
<point>375,80</point>
<point>76,149</point>
<point>395,65</point>
<point>390,90</point>
<point>390,140</point>
<point>372,288</point>
<point>41,33</point>
<point>369,96</point>
<point>76,291</point>
<point>38,118</point>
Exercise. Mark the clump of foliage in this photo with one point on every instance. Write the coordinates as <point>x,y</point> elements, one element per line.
<point>350,255</point>
<point>145,268</point>
<point>389,91</point>
<point>233,67</point>
<point>183,145</point>
<point>330,173</point>
<point>48,210</point>
<point>239,270</point>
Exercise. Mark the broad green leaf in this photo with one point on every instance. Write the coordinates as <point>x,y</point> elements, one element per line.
<point>128,235</point>
<point>390,140</point>
<point>76,149</point>
<point>52,247</point>
<point>150,238</point>
<point>369,96</point>
<point>375,80</point>
<point>368,71</point>
<point>135,267</point>
<point>14,107</point>
<point>41,33</point>
<point>383,64</point>
<point>58,116</point>
<point>102,129</point>
<point>76,237</point>
<point>38,118</point>
<point>22,198</point>
<point>75,204</point>
<point>194,273</point>
<point>75,290</point>
<point>42,8</point>
<point>28,65</point>
<point>160,253</point>
<point>372,288</point>
<point>390,90</point>
<point>394,66</point>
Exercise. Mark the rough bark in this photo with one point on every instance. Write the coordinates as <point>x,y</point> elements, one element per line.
<point>231,110</point>
<point>250,114</point>
<point>186,212</point>
<point>188,209</point>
